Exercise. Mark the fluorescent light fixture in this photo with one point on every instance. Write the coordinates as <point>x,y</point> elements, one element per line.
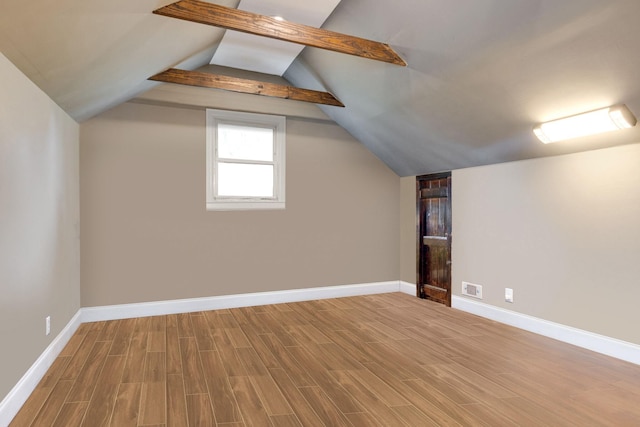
<point>597,121</point>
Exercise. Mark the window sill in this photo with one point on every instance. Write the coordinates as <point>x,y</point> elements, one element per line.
<point>244,206</point>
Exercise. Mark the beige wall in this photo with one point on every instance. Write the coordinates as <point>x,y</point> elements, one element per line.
<point>408,230</point>
<point>563,232</point>
<point>39,222</point>
<point>146,235</point>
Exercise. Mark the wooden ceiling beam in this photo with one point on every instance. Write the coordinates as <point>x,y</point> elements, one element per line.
<point>267,26</point>
<point>235,84</point>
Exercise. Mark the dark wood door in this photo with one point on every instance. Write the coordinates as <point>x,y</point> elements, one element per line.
<point>434,237</point>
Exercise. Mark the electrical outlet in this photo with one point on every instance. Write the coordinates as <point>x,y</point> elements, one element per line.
<point>508,294</point>
<point>47,325</point>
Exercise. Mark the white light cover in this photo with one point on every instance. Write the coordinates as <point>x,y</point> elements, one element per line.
<point>591,123</point>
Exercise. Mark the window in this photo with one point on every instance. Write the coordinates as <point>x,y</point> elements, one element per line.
<point>245,161</point>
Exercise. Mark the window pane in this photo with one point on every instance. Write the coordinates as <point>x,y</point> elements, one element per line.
<point>244,180</point>
<point>245,142</point>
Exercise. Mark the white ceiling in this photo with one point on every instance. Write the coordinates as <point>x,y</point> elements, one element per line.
<point>265,55</point>
<point>480,73</point>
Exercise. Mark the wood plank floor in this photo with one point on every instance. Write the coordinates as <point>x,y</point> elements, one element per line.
<point>380,360</point>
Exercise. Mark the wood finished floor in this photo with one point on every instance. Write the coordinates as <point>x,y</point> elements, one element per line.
<point>380,360</point>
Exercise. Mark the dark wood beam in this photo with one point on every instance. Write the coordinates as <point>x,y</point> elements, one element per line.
<point>235,84</point>
<point>261,25</point>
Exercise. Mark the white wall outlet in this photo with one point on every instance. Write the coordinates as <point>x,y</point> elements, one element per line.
<point>47,325</point>
<point>508,294</point>
<point>472,290</point>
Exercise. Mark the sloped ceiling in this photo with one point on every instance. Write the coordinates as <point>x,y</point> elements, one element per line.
<point>90,55</point>
<point>481,73</point>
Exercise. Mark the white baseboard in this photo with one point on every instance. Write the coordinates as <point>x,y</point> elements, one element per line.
<point>599,343</point>
<point>408,288</point>
<point>19,394</point>
<point>124,311</point>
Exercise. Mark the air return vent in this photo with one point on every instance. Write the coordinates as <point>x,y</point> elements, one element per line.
<point>472,290</point>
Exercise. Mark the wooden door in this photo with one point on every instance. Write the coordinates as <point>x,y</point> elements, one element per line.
<point>434,237</point>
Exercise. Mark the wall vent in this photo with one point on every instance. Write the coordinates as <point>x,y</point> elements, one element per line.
<point>472,290</point>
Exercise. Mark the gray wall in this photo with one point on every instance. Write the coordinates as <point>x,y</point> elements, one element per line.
<point>563,232</point>
<point>39,222</point>
<point>146,235</point>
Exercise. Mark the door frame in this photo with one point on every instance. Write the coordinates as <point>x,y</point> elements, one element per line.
<point>420,232</point>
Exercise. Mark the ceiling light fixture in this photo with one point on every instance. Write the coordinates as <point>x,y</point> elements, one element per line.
<point>278,18</point>
<point>593,122</point>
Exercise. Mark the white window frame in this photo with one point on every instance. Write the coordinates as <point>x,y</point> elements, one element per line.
<point>278,124</point>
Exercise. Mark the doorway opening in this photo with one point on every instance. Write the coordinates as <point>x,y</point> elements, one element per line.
<point>434,237</point>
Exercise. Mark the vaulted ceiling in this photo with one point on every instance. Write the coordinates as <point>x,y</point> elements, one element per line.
<point>480,73</point>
